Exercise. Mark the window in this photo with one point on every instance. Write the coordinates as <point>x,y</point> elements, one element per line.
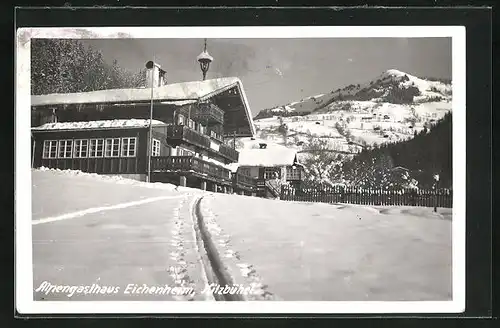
<point>293,173</point>
<point>271,173</point>
<point>180,119</point>
<point>202,129</point>
<point>156,147</point>
<point>112,148</point>
<point>245,171</point>
<point>184,152</point>
<point>65,148</point>
<point>81,148</point>
<point>49,149</point>
<point>96,148</point>
<point>128,147</point>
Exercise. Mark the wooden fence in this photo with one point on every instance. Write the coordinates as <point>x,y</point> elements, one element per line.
<point>353,195</point>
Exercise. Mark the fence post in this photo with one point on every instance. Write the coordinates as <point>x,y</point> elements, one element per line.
<point>435,199</point>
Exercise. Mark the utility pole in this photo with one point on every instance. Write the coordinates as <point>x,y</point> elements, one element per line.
<point>151,122</point>
<point>33,151</point>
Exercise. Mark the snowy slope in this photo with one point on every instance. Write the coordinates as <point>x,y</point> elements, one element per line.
<point>299,251</point>
<point>377,89</point>
<point>390,108</point>
<point>333,252</point>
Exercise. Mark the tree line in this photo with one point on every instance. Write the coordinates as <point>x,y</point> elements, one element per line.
<point>68,65</point>
<point>406,163</point>
<point>401,165</point>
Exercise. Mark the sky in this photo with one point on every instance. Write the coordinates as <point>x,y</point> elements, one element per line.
<point>275,72</point>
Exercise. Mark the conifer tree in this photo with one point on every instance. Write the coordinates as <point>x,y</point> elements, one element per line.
<point>67,65</point>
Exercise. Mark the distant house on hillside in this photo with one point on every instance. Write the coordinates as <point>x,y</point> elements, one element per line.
<point>272,167</point>
<point>400,169</point>
<point>107,132</point>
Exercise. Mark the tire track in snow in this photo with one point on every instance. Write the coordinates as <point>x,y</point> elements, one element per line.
<point>242,272</point>
<point>92,210</point>
<point>179,271</point>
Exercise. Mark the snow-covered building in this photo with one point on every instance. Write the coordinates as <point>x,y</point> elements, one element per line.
<point>107,131</point>
<point>272,167</point>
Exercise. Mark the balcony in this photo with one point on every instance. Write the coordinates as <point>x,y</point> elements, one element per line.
<point>296,174</point>
<point>244,181</point>
<point>190,165</point>
<point>176,134</point>
<point>229,152</point>
<point>209,113</point>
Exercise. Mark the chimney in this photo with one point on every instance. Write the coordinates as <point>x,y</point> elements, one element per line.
<point>159,76</point>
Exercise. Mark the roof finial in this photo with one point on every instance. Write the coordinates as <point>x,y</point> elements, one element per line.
<point>205,48</point>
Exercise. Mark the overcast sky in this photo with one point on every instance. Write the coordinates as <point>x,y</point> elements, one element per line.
<point>278,71</point>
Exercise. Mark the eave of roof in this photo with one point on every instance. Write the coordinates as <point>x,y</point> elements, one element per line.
<point>97,125</point>
<point>267,157</point>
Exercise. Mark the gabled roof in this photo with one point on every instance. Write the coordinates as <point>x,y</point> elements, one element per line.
<point>176,92</point>
<point>95,125</point>
<point>267,157</point>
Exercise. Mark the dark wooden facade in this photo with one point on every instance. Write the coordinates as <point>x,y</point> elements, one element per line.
<point>164,168</point>
<point>101,165</point>
<point>191,141</point>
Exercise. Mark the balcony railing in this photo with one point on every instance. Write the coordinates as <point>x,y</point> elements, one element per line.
<point>209,112</point>
<point>274,187</point>
<point>229,152</point>
<point>189,164</point>
<point>184,133</point>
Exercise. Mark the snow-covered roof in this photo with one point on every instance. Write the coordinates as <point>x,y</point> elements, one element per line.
<point>226,166</point>
<point>193,90</point>
<point>178,102</point>
<point>94,125</point>
<point>233,167</point>
<point>399,168</point>
<point>186,91</point>
<point>267,157</point>
<point>204,56</point>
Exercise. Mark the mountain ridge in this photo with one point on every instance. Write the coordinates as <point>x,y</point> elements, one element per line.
<point>391,86</point>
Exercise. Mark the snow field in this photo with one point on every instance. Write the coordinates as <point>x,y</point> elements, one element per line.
<point>306,251</point>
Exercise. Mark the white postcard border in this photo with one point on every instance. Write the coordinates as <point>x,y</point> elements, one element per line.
<point>23,247</point>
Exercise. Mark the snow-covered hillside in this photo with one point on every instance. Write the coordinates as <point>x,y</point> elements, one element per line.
<point>382,88</point>
<point>390,108</point>
<point>89,229</point>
